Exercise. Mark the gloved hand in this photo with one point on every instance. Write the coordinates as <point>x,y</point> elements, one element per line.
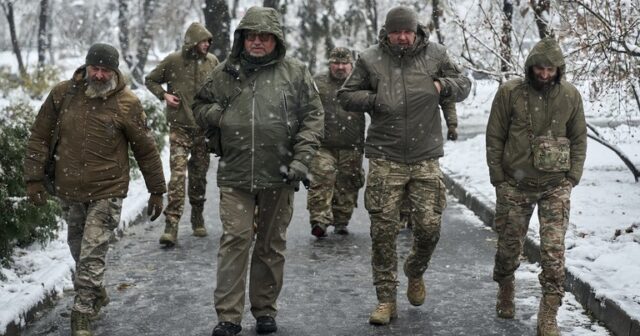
<point>36,193</point>
<point>452,133</point>
<point>154,207</point>
<point>297,171</point>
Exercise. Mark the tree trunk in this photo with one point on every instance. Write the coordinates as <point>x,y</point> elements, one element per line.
<point>123,34</point>
<point>436,13</point>
<point>372,15</point>
<point>275,4</point>
<point>8,11</point>
<point>505,39</point>
<point>144,45</point>
<point>42,32</point>
<point>540,7</point>
<point>218,21</point>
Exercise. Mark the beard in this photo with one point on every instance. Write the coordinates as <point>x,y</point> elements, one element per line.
<point>339,74</point>
<point>542,85</point>
<point>97,88</point>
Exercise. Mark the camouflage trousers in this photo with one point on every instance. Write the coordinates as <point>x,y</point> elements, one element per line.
<point>271,211</point>
<point>387,184</point>
<point>188,156</point>
<point>514,208</point>
<point>91,226</point>
<point>336,177</point>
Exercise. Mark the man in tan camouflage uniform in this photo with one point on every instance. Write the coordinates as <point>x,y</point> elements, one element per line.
<point>542,109</point>
<point>184,72</point>
<point>94,119</point>
<point>336,170</point>
<point>400,81</point>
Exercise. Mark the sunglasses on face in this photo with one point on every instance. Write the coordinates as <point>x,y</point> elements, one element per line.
<point>252,36</point>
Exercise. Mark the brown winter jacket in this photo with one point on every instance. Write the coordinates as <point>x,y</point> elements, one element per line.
<point>92,159</point>
<point>397,88</point>
<point>184,72</point>
<point>342,129</point>
<point>558,109</point>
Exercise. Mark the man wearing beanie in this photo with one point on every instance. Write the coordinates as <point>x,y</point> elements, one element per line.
<point>401,81</point>
<point>184,72</point>
<point>336,172</point>
<point>267,112</point>
<point>84,130</point>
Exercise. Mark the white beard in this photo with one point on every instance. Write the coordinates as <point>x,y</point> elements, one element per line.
<point>97,89</point>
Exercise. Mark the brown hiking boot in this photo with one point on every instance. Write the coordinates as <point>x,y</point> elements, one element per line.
<point>384,313</point>
<point>197,221</point>
<point>505,305</point>
<point>547,324</point>
<point>416,292</point>
<point>80,325</point>
<point>170,235</point>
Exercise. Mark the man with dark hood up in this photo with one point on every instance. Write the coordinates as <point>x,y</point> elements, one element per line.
<point>263,111</point>
<point>536,147</point>
<point>400,82</point>
<point>336,172</point>
<point>184,72</point>
<point>88,123</point>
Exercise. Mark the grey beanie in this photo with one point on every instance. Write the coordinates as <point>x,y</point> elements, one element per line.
<point>401,18</point>
<point>102,54</point>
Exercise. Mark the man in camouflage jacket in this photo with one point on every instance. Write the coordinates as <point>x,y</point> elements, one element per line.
<point>400,82</point>
<point>541,104</point>
<point>265,110</point>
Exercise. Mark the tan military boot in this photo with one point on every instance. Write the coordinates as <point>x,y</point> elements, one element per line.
<point>80,325</point>
<point>101,301</point>
<point>547,324</point>
<point>197,221</point>
<point>170,235</point>
<point>505,305</point>
<point>416,292</point>
<point>384,313</point>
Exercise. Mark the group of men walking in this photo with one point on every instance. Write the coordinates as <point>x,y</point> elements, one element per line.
<point>273,126</point>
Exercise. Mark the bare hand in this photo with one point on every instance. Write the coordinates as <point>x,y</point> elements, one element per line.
<point>172,101</point>
<point>438,86</point>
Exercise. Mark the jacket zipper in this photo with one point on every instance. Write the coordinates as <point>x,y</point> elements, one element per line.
<point>404,86</point>
<point>286,114</point>
<point>253,130</point>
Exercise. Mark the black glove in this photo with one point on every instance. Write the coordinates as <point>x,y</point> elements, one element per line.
<point>297,171</point>
<point>452,134</point>
<point>154,207</point>
<point>36,193</point>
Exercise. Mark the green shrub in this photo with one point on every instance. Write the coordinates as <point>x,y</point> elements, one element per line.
<point>21,223</point>
<point>36,84</point>
<point>157,122</point>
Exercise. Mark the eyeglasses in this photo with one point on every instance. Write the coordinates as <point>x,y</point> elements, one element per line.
<point>252,36</point>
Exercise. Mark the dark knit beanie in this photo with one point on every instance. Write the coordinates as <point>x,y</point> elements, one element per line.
<point>340,55</point>
<point>102,54</point>
<point>401,18</point>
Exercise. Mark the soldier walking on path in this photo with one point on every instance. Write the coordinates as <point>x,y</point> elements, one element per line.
<point>184,72</point>
<point>265,118</point>
<point>401,81</point>
<point>336,171</point>
<point>536,147</point>
<point>93,118</point>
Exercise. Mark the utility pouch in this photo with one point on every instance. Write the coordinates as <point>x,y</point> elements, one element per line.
<point>551,154</point>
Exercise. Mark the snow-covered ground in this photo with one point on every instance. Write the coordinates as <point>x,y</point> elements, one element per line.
<point>603,239</point>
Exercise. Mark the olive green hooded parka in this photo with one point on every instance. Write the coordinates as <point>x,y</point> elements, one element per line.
<point>184,72</point>
<point>557,109</point>
<point>267,116</point>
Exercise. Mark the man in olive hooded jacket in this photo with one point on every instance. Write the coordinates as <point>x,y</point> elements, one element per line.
<point>268,118</point>
<point>88,123</point>
<point>184,72</point>
<point>400,81</point>
<point>536,146</point>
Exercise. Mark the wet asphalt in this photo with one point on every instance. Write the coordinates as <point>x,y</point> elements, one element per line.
<point>327,289</point>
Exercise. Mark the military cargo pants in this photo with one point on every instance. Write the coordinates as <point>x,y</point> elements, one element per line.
<point>336,177</point>
<point>91,226</point>
<point>188,156</point>
<point>272,210</point>
<point>514,208</point>
<point>387,184</point>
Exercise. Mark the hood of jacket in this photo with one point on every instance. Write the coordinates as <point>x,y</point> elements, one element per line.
<point>546,52</point>
<point>194,35</point>
<point>261,19</point>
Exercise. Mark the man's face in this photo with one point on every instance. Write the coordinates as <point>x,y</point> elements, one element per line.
<point>340,70</point>
<point>544,74</point>
<point>99,74</point>
<point>402,38</point>
<point>203,47</point>
<point>259,44</point>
